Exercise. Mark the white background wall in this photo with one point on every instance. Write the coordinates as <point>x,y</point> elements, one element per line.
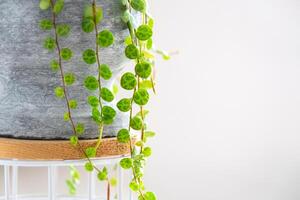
<point>227,111</point>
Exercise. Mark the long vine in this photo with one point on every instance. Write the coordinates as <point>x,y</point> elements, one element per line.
<point>139,49</point>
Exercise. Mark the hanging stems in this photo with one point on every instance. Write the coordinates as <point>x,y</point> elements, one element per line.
<point>99,77</point>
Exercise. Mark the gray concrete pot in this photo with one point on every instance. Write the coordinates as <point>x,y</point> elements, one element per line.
<point>28,108</point>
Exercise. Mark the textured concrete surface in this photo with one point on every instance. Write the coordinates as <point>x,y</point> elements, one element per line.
<point>28,108</point>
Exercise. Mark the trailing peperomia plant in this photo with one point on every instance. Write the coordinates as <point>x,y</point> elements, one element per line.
<point>140,50</point>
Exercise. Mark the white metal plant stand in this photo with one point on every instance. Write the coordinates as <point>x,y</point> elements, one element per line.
<point>11,180</point>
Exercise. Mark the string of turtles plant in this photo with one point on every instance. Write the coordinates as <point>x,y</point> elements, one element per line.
<point>139,49</point>
<point>100,114</point>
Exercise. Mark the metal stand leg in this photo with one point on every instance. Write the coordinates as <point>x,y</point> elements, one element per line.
<point>91,185</point>
<point>51,182</point>
<point>6,182</point>
<point>15,182</point>
<point>120,185</point>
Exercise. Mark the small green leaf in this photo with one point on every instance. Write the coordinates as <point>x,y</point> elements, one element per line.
<point>49,43</point>
<point>69,78</point>
<point>59,92</point>
<point>115,89</point>
<point>123,136</point>
<point>63,30</point>
<point>102,175</point>
<point>131,51</point>
<point>126,163</point>
<point>143,69</point>
<point>128,81</point>
<point>90,152</point>
<point>147,151</point>
<point>144,32</point>
<point>134,186</point>
<point>138,5</point>
<point>96,115</point>
<point>142,114</point>
<point>148,196</point>
<point>124,105</point>
<point>149,134</point>
<point>89,13</point>
<point>73,104</point>
<point>91,83</point>
<point>136,123</point>
<point>151,23</point>
<point>58,6</point>
<point>89,167</point>
<point>89,56</point>
<point>108,114</point>
<point>74,140</point>
<point>66,53</point>
<point>146,84</point>
<point>54,65</point>
<point>105,38</point>
<point>66,116</point>
<point>44,4</point>
<point>128,41</point>
<point>88,25</point>
<point>93,101</point>
<point>79,128</point>
<point>149,44</point>
<point>105,72</point>
<point>141,97</point>
<point>46,24</point>
<point>107,95</point>
<point>113,182</point>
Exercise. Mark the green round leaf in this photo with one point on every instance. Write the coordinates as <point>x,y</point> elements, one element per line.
<point>123,136</point>
<point>124,105</point>
<point>144,32</point>
<point>126,163</point>
<point>69,78</point>
<point>79,128</point>
<point>102,176</point>
<point>89,167</point>
<point>108,114</point>
<point>96,115</point>
<point>93,101</point>
<point>89,56</point>
<point>59,92</point>
<point>44,4</point>
<point>54,65</point>
<point>90,152</point>
<point>91,83</point>
<point>128,81</point>
<point>147,151</point>
<point>136,123</point>
<point>63,30</point>
<point>74,140</point>
<point>58,6</point>
<point>107,95</point>
<point>138,5</point>
<point>131,51</point>
<point>66,116</point>
<point>73,104</point>
<point>66,53</point>
<point>105,72</point>
<point>89,13</point>
<point>134,186</point>
<point>46,24</point>
<point>148,196</point>
<point>105,38</point>
<point>141,97</point>
<point>49,43</point>
<point>143,69</point>
<point>88,25</point>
